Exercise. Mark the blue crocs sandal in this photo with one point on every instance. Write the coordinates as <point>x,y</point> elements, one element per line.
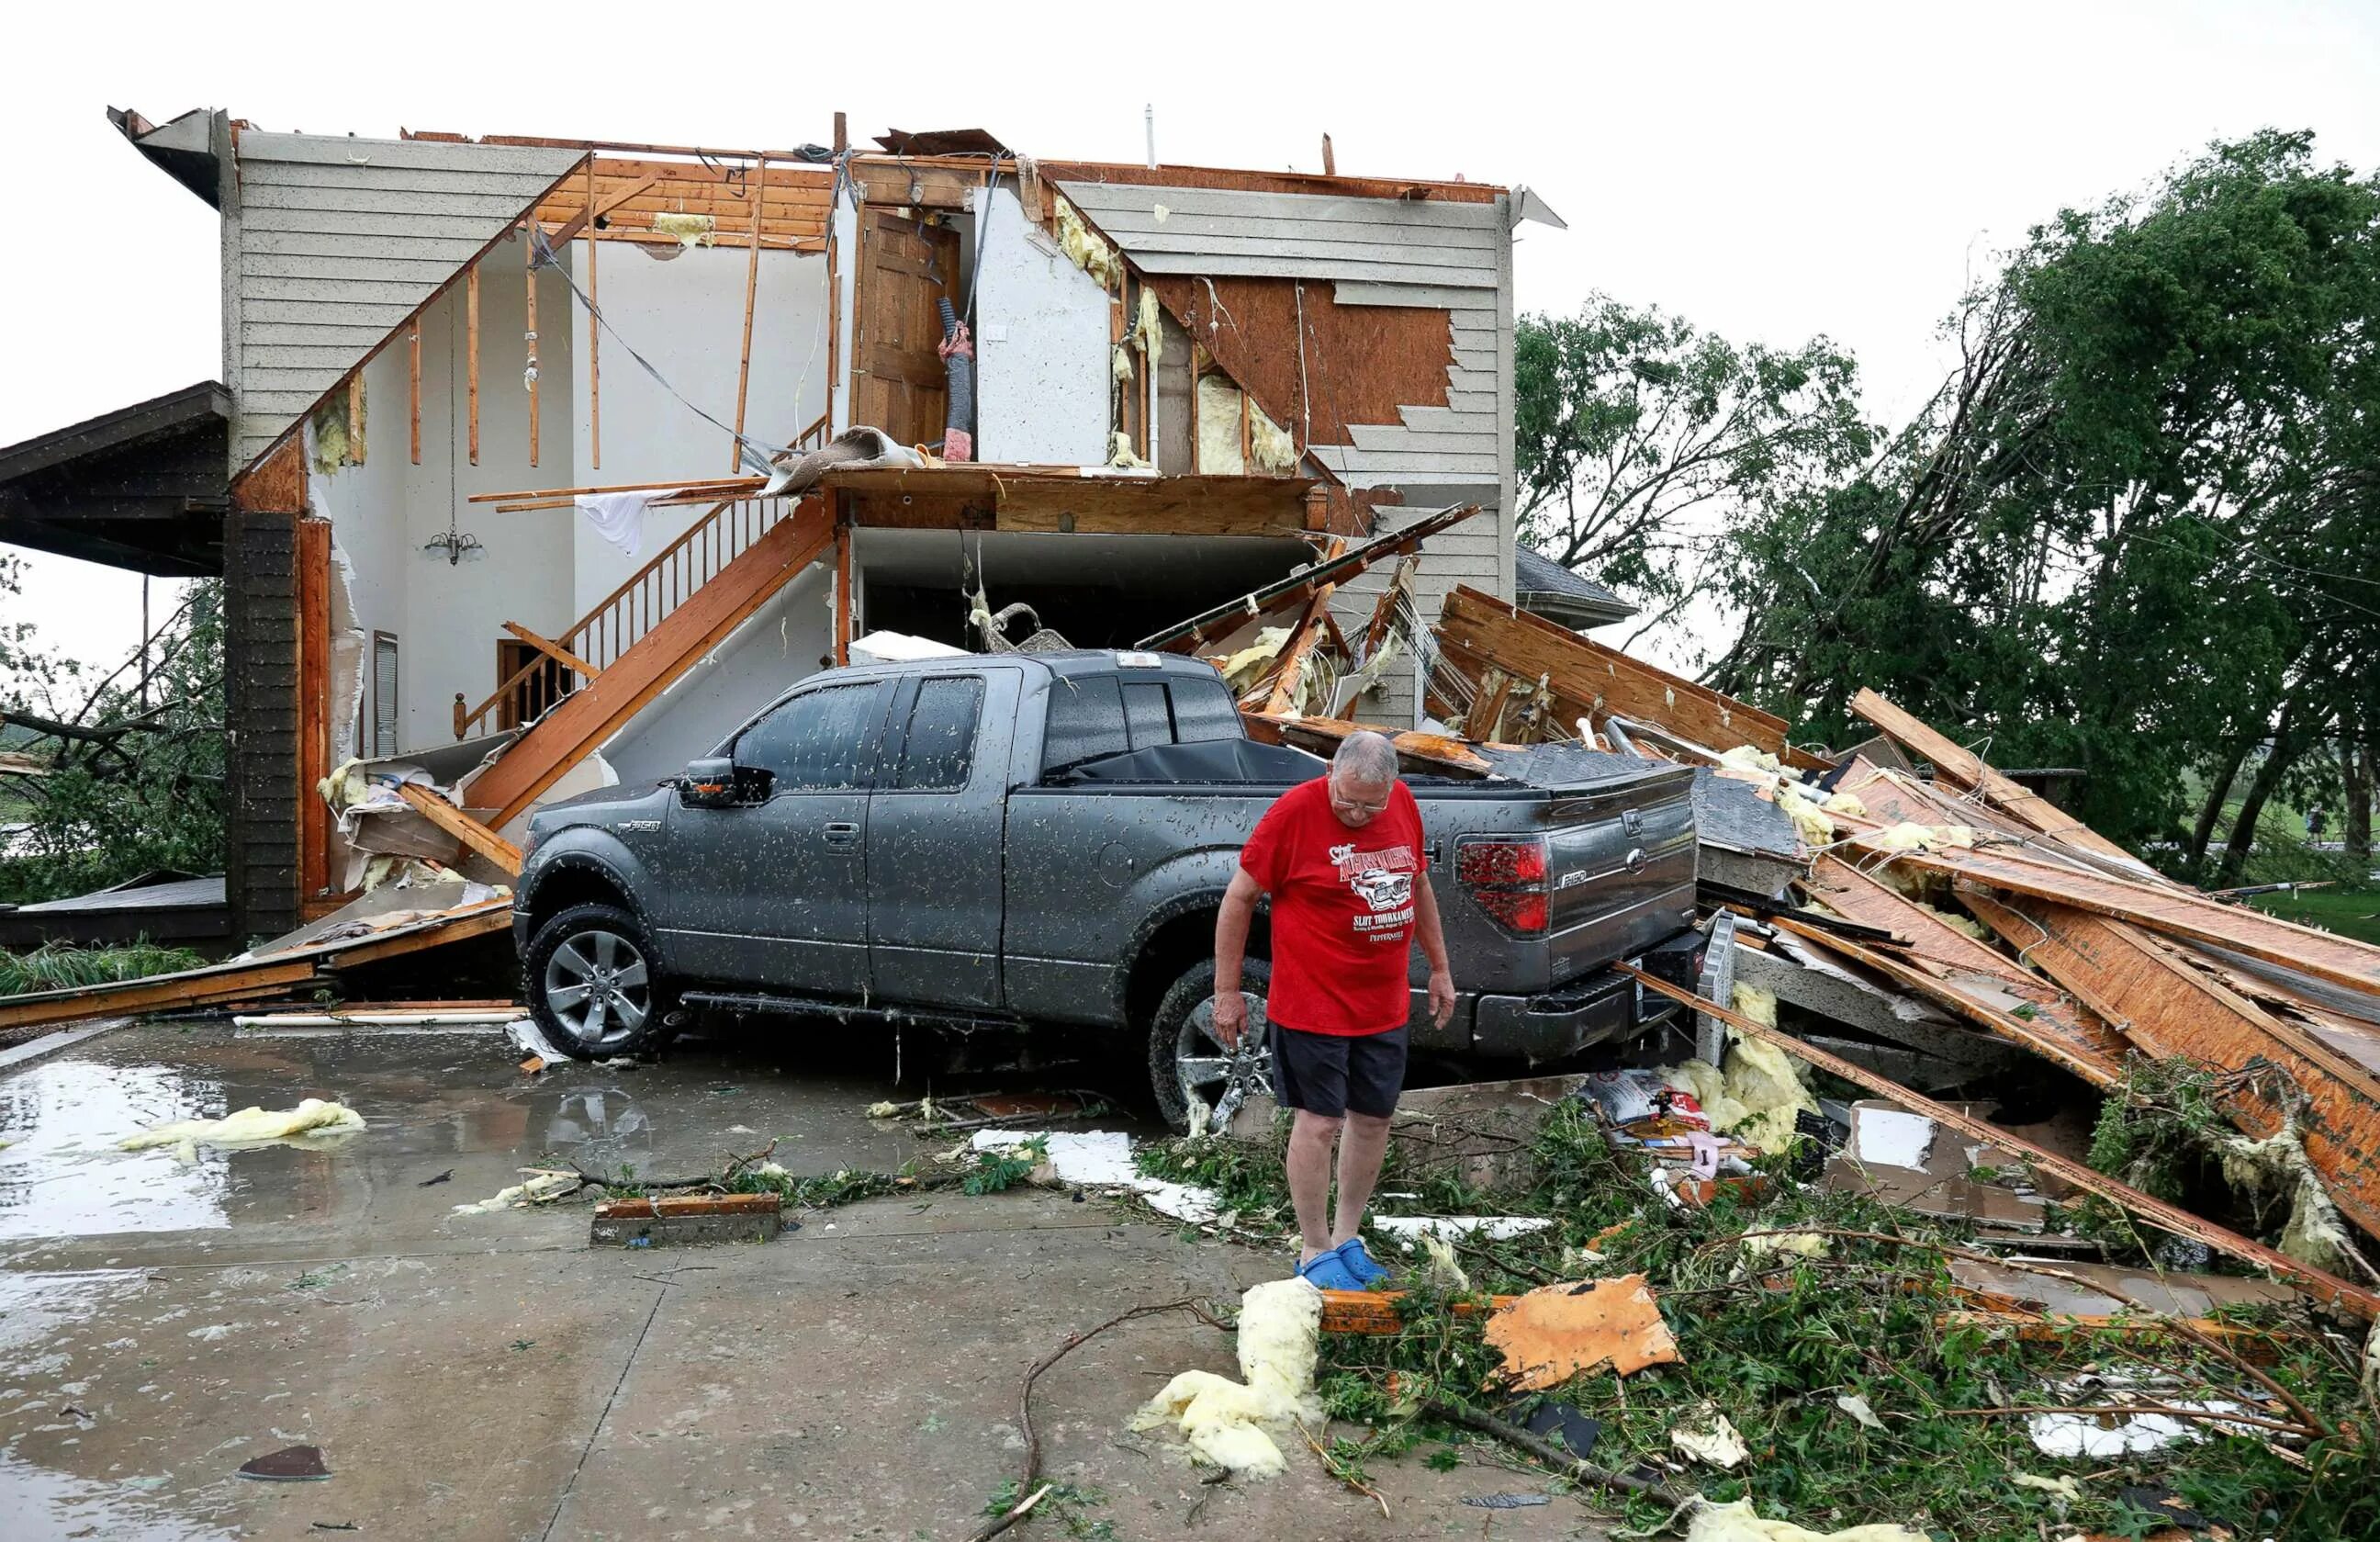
<point>1328,1272</point>
<point>1358,1261</point>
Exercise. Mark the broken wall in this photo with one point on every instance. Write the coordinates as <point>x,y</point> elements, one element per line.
<point>1042,382</point>
<point>686,314</point>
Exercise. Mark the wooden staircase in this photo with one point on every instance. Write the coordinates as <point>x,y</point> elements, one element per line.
<point>651,632</point>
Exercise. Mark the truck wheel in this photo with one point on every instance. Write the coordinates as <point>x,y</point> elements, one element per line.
<point>1186,1061</point>
<point>591,984</point>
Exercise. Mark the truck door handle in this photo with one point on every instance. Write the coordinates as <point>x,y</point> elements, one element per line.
<point>842,834</point>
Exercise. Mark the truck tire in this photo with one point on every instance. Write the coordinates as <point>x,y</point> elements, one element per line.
<point>591,983</point>
<point>1186,1060</point>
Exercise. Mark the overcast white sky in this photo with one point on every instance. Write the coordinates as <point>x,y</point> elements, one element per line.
<point>1771,171</point>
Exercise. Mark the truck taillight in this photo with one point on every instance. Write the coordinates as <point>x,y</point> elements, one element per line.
<point>1505,876</point>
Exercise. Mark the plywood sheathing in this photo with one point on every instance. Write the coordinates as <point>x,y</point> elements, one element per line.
<point>2172,1010</point>
<point>794,214</point>
<point>1478,631</point>
<point>1360,365</point>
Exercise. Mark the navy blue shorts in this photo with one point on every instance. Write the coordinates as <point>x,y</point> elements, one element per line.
<point>1331,1074</point>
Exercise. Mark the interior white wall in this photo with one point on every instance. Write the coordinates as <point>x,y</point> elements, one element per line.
<point>448,619</point>
<point>685,315</point>
<point>1042,373</point>
<point>783,642</point>
<point>846,246</point>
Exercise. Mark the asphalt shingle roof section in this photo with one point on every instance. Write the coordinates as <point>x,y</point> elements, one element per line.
<point>1548,588</point>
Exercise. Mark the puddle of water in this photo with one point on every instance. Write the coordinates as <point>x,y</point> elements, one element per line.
<point>61,1175</point>
<point>37,1310</point>
<point>42,1503</point>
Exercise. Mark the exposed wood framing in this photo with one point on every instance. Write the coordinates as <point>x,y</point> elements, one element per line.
<point>630,193</point>
<point>529,341</point>
<point>593,207</point>
<point>756,188</point>
<point>1417,753</point>
<point>594,336</point>
<point>1213,626</point>
<point>314,725</point>
<point>1965,769</point>
<point>413,378</point>
<point>1062,500</point>
<point>553,650</point>
<point>471,352</point>
<point>474,835</point>
<point>842,618</point>
<point>2172,1010</point>
<point>1299,649</point>
<point>355,414</point>
<point>2324,1286</point>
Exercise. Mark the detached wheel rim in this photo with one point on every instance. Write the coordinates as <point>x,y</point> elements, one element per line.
<point>1216,1079</point>
<point>598,987</point>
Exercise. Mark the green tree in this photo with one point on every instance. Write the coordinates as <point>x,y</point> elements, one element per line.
<point>1639,437</point>
<point>2132,531</point>
<point>122,773</point>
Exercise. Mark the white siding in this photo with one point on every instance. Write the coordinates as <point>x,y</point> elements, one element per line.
<point>334,240</point>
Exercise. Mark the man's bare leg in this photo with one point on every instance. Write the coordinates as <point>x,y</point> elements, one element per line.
<point>1361,1150</point>
<point>1310,1138</point>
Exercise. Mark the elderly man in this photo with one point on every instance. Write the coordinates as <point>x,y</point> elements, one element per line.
<point>1343,857</point>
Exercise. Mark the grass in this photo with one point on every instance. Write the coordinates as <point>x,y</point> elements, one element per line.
<point>2349,912</point>
<point>63,966</point>
<point>1772,1342</point>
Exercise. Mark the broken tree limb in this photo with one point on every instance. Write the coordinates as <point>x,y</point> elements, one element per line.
<point>1193,1304</point>
<point>1554,1456</point>
<point>2342,1294</point>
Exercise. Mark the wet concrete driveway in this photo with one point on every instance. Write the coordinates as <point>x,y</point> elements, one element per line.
<point>164,1321</point>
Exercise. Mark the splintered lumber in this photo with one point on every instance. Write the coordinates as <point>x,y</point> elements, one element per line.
<point>2174,1010</point>
<point>2319,1283</point>
<point>1416,752</point>
<point>2165,908</point>
<point>1967,977</point>
<point>461,826</point>
<point>1291,671</point>
<point>1965,769</point>
<point>1478,630</point>
<point>587,717</point>
<point>528,268</point>
<point>759,190</point>
<point>594,330</point>
<point>471,351</point>
<point>1211,627</point>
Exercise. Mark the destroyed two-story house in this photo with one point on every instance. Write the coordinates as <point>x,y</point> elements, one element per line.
<point>520,458</point>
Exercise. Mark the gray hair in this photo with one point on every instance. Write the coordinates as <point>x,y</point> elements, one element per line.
<point>1366,758</point>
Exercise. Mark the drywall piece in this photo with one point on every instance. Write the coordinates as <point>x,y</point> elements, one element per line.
<point>1892,1136</point>
<point>1042,382</point>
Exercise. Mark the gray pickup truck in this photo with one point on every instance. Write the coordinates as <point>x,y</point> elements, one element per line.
<point>1043,839</point>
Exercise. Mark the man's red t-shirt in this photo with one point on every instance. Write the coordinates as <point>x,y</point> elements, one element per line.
<point>1343,909</point>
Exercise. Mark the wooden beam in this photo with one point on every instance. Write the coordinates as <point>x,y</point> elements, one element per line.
<point>529,340</point>
<point>158,993</point>
<point>457,928</point>
<point>1965,769</point>
<point>552,649</point>
<point>842,138</point>
<point>314,725</point>
<point>843,608</point>
<point>760,193</point>
<point>2328,1287</point>
<point>1330,161</point>
<point>2174,1010</point>
<point>2167,909</point>
<point>594,331</point>
<point>413,371</point>
<point>471,351</point>
<point>355,416</point>
<point>583,221</point>
<point>471,831</point>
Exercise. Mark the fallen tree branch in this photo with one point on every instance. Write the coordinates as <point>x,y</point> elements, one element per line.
<point>1195,1305</point>
<point>1339,1470</point>
<point>1548,1453</point>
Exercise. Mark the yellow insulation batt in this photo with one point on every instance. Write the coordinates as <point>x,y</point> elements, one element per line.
<point>1759,1093</point>
<point>691,230</point>
<point>250,1127</point>
<point>1227,1422</point>
<point>1146,330</point>
<point>1738,1521</point>
<point>1086,248</point>
<point>1270,445</point>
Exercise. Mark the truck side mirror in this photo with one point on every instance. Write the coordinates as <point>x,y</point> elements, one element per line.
<point>709,783</point>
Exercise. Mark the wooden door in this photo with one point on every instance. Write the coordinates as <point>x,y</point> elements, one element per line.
<point>896,378</point>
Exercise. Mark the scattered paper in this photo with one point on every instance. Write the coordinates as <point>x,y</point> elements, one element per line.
<point>1857,1407</point>
<point>1711,1440</point>
<point>1488,1228</point>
